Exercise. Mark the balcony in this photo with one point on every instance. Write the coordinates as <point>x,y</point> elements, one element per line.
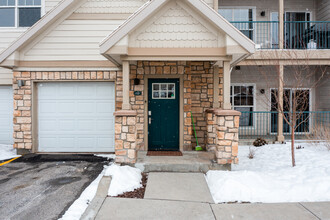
<point>297,34</point>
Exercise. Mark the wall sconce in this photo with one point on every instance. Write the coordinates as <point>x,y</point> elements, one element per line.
<point>262,91</point>
<point>20,83</point>
<point>136,81</point>
<point>263,13</point>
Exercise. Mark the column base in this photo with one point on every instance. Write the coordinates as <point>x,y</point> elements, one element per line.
<point>125,136</point>
<point>280,138</point>
<point>223,132</point>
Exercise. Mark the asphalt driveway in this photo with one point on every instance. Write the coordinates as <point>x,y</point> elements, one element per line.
<point>44,187</point>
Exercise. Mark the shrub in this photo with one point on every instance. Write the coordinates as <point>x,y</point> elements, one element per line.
<point>259,142</point>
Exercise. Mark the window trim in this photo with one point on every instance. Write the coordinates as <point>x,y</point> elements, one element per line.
<point>254,9</point>
<point>254,101</point>
<point>160,84</point>
<point>16,7</point>
<point>254,16</point>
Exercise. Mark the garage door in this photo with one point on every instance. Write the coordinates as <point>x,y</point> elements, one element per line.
<point>76,117</point>
<point>6,115</point>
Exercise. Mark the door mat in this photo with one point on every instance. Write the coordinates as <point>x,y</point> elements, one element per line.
<point>164,153</point>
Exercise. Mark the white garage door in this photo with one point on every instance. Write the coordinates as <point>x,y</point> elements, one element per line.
<point>76,117</point>
<point>6,115</point>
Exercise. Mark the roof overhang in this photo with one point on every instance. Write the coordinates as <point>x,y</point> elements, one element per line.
<point>116,46</point>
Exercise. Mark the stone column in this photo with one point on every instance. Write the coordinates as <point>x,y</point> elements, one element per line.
<point>222,135</point>
<point>211,130</point>
<point>125,136</point>
<point>226,85</point>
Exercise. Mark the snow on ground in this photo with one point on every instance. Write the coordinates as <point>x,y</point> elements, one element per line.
<point>270,177</point>
<point>80,205</point>
<point>7,152</point>
<point>109,156</point>
<point>123,179</point>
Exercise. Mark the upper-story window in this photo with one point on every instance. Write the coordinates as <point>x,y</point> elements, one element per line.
<point>19,13</point>
<point>241,18</point>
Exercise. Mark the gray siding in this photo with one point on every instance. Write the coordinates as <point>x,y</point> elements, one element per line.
<point>265,77</point>
<point>323,93</point>
<point>272,6</point>
<point>323,10</point>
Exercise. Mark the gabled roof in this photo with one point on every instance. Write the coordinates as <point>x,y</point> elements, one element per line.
<point>150,7</point>
<point>39,26</point>
<point>64,8</point>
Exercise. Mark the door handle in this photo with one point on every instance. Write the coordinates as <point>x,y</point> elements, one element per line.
<point>150,121</point>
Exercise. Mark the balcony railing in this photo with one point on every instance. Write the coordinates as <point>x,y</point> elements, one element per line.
<point>264,124</point>
<point>297,34</point>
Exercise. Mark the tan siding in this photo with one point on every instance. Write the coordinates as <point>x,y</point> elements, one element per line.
<point>6,38</point>
<point>73,40</point>
<point>209,2</point>
<point>111,6</point>
<point>50,4</point>
<point>175,27</point>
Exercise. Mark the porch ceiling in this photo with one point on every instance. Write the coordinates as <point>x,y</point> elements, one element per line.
<point>176,30</point>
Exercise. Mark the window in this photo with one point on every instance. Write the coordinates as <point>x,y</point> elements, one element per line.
<point>292,97</point>
<point>241,19</point>
<point>242,99</point>
<point>19,13</point>
<point>163,91</point>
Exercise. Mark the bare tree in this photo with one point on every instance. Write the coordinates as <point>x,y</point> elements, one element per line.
<point>294,105</point>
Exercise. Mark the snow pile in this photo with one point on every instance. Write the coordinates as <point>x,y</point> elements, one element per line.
<point>123,179</point>
<point>269,177</point>
<point>80,205</point>
<point>7,152</point>
<point>109,156</point>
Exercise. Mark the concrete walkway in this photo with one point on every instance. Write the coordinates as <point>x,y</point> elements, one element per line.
<point>186,196</point>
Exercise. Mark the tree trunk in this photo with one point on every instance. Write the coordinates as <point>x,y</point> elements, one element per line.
<point>292,148</point>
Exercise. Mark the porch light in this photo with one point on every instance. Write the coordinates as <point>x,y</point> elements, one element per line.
<point>263,13</point>
<point>20,83</point>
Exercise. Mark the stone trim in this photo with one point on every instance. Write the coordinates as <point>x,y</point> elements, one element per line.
<point>125,113</point>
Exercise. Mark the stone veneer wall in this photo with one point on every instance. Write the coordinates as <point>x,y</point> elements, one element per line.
<point>222,130</point>
<point>125,136</point>
<point>198,95</point>
<point>227,138</point>
<point>23,97</point>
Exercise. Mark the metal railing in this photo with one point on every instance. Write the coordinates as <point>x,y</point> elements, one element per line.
<point>263,33</point>
<point>265,124</point>
<point>297,34</point>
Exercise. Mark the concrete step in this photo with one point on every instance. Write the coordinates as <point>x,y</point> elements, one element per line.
<point>191,161</point>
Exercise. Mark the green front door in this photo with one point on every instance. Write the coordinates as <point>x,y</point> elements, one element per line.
<point>163,114</point>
